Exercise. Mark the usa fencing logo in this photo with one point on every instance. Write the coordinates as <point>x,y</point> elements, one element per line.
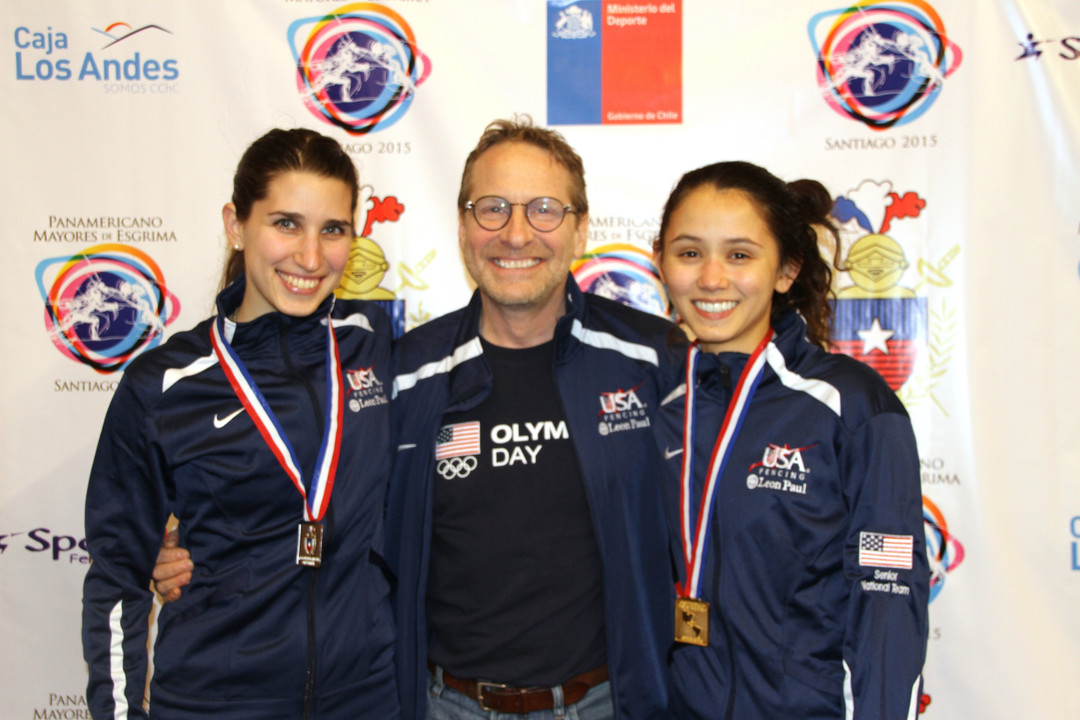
<point>781,468</point>
<point>364,389</point>
<point>882,62</point>
<point>622,410</point>
<point>357,68</point>
<point>105,305</point>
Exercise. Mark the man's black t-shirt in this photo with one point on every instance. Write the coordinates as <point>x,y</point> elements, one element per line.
<point>515,593</point>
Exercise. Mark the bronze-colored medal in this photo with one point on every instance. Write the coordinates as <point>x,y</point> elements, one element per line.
<point>309,544</point>
<point>691,621</point>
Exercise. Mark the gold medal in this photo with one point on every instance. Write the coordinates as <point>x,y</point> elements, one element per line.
<point>692,621</point>
<point>309,544</point>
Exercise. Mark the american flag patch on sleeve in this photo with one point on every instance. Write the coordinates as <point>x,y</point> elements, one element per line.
<point>881,550</point>
<point>458,440</point>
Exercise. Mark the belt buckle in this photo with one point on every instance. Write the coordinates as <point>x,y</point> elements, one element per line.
<point>480,685</point>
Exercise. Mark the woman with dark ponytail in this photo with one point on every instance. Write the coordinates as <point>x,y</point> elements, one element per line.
<point>791,473</point>
<point>265,430</point>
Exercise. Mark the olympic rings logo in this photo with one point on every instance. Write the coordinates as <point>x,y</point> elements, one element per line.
<point>456,467</point>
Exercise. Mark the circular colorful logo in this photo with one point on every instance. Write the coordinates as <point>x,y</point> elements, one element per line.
<point>624,273</point>
<point>105,305</point>
<point>882,62</point>
<point>358,67</point>
<point>943,550</point>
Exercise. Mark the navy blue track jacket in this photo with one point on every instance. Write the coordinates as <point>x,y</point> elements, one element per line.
<point>603,350</point>
<point>254,635</point>
<point>815,567</point>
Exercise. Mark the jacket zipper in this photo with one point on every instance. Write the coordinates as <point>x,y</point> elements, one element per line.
<point>309,678</point>
<point>596,535</point>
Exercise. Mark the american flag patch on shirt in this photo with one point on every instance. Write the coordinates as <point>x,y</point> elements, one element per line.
<point>457,440</point>
<point>881,550</point>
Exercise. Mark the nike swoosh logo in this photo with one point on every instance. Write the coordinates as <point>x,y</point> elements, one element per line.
<point>222,422</point>
<point>668,454</point>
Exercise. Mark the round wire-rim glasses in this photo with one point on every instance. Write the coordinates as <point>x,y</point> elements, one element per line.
<point>543,213</point>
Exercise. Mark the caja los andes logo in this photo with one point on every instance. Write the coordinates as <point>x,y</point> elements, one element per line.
<point>358,67</point>
<point>106,305</point>
<point>45,54</point>
<point>882,314</point>
<point>882,62</point>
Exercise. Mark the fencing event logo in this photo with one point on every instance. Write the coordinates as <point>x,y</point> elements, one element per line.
<point>944,551</point>
<point>883,317</point>
<point>358,67</point>
<point>105,305</point>
<point>882,62</point>
<point>624,273</point>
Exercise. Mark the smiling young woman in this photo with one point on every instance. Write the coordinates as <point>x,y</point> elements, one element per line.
<point>797,486</point>
<point>295,242</point>
<point>242,428</point>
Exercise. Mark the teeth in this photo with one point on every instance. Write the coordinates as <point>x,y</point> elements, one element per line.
<point>516,264</point>
<point>298,282</point>
<point>715,307</point>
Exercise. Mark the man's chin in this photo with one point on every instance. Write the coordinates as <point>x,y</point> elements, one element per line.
<point>517,298</point>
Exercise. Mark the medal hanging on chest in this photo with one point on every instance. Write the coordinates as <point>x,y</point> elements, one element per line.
<point>691,621</point>
<point>309,544</point>
<point>691,612</point>
<point>316,493</point>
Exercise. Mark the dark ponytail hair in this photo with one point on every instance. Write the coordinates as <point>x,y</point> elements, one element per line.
<point>793,212</point>
<point>281,151</point>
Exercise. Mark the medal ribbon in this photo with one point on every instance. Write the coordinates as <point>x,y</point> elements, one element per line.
<point>317,496</point>
<point>694,542</point>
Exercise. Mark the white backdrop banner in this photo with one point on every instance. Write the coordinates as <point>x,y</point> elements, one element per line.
<point>948,132</point>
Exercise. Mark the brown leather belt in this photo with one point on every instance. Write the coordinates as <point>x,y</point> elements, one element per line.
<point>507,699</point>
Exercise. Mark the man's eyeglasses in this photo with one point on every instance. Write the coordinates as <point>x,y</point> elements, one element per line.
<point>543,213</point>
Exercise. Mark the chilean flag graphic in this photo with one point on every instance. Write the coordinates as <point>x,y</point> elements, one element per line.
<point>884,333</point>
<point>614,62</point>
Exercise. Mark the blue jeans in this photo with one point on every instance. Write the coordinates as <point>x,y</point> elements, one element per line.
<point>447,704</point>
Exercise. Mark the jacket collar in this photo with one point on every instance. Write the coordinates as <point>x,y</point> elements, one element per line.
<point>470,382</point>
<point>469,329</point>
<point>789,333</point>
<point>229,299</point>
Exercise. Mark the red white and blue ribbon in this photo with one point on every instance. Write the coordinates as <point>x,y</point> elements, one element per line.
<point>316,494</point>
<point>694,537</point>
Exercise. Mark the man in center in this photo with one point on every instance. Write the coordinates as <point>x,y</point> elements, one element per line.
<point>524,520</point>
